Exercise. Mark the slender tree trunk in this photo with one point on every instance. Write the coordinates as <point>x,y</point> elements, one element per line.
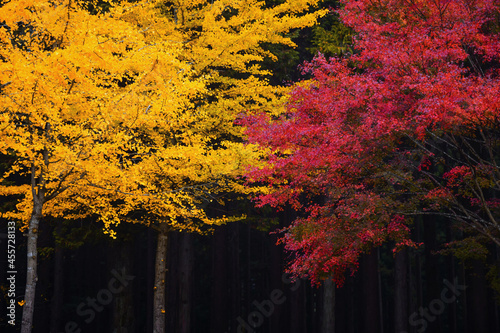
<point>297,315</point>
<point>343,297</point>
<point>328,322</point>
<point>478,299</point>
<point>453,317</point>
<point>172,281</point>
<point>380,299</point>
<point>38,194</point>
<point>57,297</point>
<point>432,282</point>
<point>31,275</point>
<point>497,306</point>
<point>159,284</point>
<point>234,272</point>
<point>121,257</point>
<point>185,283</point>
<point>416,276</point>
<point>369,278</point>
<point>401,291</point>
<point>150,267</point>
<point>276,274</point>
<point>220,292</point>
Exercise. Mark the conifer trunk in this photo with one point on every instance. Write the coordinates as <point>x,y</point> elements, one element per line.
<point>401,291</point>
<point>57,297</point>
<point>159,284</point>
<point>220,291</point>
<point>121,255</point>
<point>328,323</point>
<point>185,283</point>
<point>370,286</point>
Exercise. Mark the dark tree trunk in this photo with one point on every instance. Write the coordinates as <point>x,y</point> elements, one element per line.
<point>121,256</point>
<point>415,268</point>
<point>432,281</point>
<point>401,291</point>
<point>185,283</point>
<point>220,295</point>
<point>328,313</point>
<point>297,320</point>
<point>452,318</point>
<point>370,285</point>
<point>276,276</point>
<point>58,291</point>
<point>45,280</point>
<point>172,301</point>
<point>497,305</point>
<point>380,298</point>
<point>477,299</point>
<point>150,275</point>
<point>159,283</point>
<point>234,273</point>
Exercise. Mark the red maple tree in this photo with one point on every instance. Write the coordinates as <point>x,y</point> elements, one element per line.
<point>406,125</point>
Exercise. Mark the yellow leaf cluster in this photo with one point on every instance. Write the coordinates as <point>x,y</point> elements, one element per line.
<point>130,114</point>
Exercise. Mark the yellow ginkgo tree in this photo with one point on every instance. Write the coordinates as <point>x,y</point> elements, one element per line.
<point>72,87</point>
<point>199,148</point>
<point>130,114</point>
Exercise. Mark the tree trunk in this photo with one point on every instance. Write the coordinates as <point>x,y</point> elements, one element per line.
<point>220,293</point>
<point>31,268</point>
<point>401,291</point>
<point>453,317</point>
<point>416,270</point>
<point>185,283</point>
<point>478,321</point>
<point>150,274</point>
<point>297,313</point>
<point>380,298</point>
<point>328,322</point>
<point>432,282</point>
<point>57,297</point>
<point>276,276</point>
<point>172,282</point>
<point>159,284</point>
<point>233,272</point>
<point>121,257</point>
<point>370,285</point>
<point>38,194</point>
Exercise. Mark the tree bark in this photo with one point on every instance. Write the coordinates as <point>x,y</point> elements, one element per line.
<point>276,276</point>
<point>432,283</point>
<point>31,275</point>
<point>328,322</point>
<point>370,285</point>
<point>121,257</point>
<point>57,297</point>
<point>233,271</point>
<point>453,317</point>
<point>401,291</point>
<point>159,284</point>
<point>220,293</point>
<point>38,195</point>
<point>185,283</point>
<point>150,267</point>
<point>478,321</point>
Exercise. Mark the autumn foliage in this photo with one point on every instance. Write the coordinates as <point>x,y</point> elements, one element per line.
<point>406,125</point>
<point>125,111</point>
